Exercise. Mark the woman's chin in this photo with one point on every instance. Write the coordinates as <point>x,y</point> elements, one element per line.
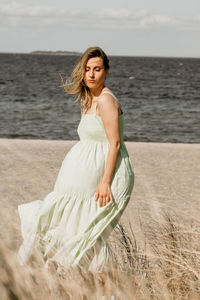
<point>92,87</point>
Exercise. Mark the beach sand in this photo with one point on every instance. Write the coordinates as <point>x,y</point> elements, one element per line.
<point>167,178</point>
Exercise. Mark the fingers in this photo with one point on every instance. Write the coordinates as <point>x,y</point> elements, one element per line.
<point>103,200</point>
<point>104,197</point>
<point>100,201</point>
<point>96,196</point>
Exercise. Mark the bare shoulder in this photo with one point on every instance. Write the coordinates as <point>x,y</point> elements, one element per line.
<point>107,98</point>
<point>108,101</point>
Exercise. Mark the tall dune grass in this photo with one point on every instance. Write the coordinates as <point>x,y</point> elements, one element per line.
<point>167,267</point>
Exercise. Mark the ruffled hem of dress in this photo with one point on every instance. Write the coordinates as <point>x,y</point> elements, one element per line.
<point>49,221</point>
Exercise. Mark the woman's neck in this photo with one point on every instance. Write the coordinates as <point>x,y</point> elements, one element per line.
<point>96,93</point>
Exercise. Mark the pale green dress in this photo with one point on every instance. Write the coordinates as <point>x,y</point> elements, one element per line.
<point>69,222</point>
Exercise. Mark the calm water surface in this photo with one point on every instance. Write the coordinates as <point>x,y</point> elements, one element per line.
<point>160,97</point>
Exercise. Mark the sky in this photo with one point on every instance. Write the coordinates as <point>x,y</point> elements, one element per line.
<point>120,27</point>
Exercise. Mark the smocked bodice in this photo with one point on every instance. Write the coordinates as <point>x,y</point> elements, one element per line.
<point>91,128</point>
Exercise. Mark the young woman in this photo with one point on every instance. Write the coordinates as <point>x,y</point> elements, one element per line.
<point>95,181</point>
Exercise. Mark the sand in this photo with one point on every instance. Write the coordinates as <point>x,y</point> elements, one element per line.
<point>167,177</point>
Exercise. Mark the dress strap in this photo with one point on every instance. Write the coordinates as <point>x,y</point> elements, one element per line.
<point>95,108</point>
<point>108,92</point>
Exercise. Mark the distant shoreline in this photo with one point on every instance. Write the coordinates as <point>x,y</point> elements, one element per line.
<point>56,52</point>
<point>74,53</point>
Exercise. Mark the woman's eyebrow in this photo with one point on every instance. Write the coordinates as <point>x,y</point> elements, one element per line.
<point>94,67</point>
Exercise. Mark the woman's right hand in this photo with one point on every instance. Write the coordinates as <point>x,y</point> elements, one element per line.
<point>104,194</point>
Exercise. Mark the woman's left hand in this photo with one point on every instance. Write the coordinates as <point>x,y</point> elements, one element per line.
<point>103,193</point>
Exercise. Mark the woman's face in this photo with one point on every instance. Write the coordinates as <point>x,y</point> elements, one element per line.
<point>95,74</point>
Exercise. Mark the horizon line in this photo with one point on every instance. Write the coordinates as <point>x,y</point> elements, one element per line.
<point>117,55</point>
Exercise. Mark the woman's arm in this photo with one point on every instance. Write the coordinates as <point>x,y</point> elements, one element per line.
<point>108,109</point>
<point>111,162</point>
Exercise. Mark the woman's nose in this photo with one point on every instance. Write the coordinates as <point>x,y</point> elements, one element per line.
<point>91,73</point>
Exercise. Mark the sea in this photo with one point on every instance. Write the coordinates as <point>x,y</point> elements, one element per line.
<point>160,97</point>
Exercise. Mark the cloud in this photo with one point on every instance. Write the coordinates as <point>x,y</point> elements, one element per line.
<point>138,19</point>
<point>16,13</point>
<point>20,10</point>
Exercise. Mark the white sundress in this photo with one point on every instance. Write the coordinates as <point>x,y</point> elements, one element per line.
<point>68,222</point>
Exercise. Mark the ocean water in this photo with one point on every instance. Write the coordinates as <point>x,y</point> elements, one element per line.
<point>160,97</point>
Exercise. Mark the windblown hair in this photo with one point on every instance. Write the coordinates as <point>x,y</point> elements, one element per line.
<point>75,85</point>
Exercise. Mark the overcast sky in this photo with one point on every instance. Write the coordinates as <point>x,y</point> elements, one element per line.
<point>120,27</point>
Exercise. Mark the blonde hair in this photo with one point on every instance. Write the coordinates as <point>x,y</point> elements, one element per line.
<point>75,85</point>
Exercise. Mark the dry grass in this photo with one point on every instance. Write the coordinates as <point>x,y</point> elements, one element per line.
<point>168,267</point>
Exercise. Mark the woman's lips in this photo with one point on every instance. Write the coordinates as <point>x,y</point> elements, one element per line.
<point>91,80</point>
